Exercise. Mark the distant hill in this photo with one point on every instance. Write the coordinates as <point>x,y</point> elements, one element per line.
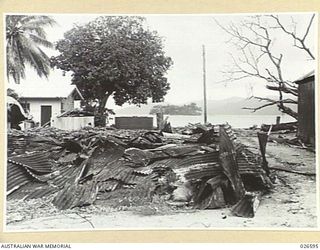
<point>234,106</point>
<point>135,110</point>
<point>186,109</point>
<point>230,106</point>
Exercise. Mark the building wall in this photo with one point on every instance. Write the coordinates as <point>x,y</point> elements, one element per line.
<point>134,122</point>
<point>72,123</point>
<point>67,103</point>
<point>306,112</point>
<point>35,106</point>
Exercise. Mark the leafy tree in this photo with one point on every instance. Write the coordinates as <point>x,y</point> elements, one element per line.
<point>25,36</point>
<point>115,55</point>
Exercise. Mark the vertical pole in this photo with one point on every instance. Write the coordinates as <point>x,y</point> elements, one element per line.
<point>204,84</point>
<point>159,119</point>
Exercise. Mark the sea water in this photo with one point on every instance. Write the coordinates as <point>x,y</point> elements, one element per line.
<point>236,121</point>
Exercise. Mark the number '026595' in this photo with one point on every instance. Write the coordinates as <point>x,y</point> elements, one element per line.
<point>309,246</point>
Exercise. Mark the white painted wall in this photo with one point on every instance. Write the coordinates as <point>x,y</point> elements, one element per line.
<point>76,104</point>
<point>72,123</point>
<point>35,107</point>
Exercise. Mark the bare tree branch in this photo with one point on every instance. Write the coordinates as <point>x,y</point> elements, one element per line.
<point>259,58</point>
<point>284,90</point>
<point>271,102</point>
<point>295,37</point>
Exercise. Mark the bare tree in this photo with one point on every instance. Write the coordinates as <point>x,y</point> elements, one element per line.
<point>258,58</point>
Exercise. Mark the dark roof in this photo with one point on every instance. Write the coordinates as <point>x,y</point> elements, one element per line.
<point>305,78</point>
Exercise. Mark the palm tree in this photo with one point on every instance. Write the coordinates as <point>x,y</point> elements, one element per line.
<point>25,36</point>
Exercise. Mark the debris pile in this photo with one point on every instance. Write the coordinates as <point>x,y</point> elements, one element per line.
<point>198,166</point>
<point>287,133</point>
<point>76,113</point>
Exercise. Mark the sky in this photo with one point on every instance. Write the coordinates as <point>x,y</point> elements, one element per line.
<point>183,37</point>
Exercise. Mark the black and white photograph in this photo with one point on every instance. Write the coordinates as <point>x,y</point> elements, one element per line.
<point>161,121</point>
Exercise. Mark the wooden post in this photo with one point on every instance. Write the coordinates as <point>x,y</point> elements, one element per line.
<point>160,120</point>
<point>204,84</point>
<point>278,120</point>
<point>263,139</point>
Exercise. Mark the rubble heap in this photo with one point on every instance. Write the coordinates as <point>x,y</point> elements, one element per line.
<point>199,166</point>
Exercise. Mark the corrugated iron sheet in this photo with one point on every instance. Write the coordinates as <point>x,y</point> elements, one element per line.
<point>76,195</point>
<point>214,199</point>
<point>108,185</point>
<point>36,162</point>
<point>64,175</point>
<point>16,144</point>
<point>212,157</point>
<point>229,163</point>
<point>17,176</point>
<point>26,168</point>
<point>203,170</point>
<point>252,173</point>
<point>176,163</point>
<point>117,171</point>
<point>209,193</point>
<point>41,192</point>
<point>102,157</point>
<point>91,162</point>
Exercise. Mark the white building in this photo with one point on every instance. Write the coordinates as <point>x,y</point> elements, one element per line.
<point>44,103</point>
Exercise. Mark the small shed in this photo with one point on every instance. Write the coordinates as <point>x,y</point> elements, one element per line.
<point>48,101</point>
<point>134,122</point>
<point>306,108</point>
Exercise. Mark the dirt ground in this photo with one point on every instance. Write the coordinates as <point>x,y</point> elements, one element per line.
<point>290,204</point>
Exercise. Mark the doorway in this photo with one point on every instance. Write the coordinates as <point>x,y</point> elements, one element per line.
<point>45,114</point>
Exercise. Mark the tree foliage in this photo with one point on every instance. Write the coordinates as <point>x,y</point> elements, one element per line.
<point>186,109</point>
<point>115,55</point>
<point>12,93</point>
<point>258,56</point>
<point>25,35</point>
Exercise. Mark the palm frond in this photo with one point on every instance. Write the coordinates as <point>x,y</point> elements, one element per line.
<point>39,21</point>
<point>41,41</point>
<point>25,35</point>
<point>35,57</point>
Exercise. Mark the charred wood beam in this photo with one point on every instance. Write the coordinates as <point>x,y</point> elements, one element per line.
<point>282,126</point>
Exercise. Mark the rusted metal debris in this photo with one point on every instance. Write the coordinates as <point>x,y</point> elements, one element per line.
<point>247,206</point>
<point>211,171</point>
